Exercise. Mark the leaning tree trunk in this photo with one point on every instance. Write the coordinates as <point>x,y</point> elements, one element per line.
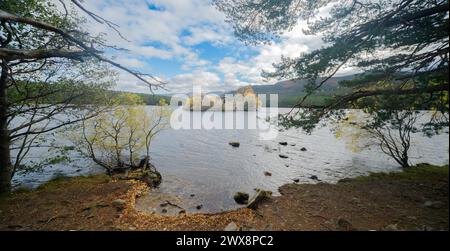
<point>5,160</point>
<point>405,160</point>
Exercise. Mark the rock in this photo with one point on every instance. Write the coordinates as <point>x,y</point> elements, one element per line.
<point>292,144</point>
<point>119,204</point>
<point>258,197</point>
<point>425,228</point>
<point>391,227</point>
<point>247,228</point>
<point>413,218</point>
<point>101,205</point>
<point>283,143</point>
<point>266,173</point>
<point>15,227</point>
<point>343,224</point>
<point>314,177</point>
<point>164,211</point>
<point>241,198</point>
<point>286,165</point>
<point>199,207</point>
<point>231,227</point>
<point>192,195</point>
<point>303,149</point>
<point>428,203</point>
<point>283,156</point>
<point>234,144</point>
<point>296,180</point>
<point>355,200</point>
<point>433,204</point>
<point>182,212</point>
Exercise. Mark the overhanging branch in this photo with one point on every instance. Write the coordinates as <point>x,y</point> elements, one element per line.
<point>5,16</point>
<point>363,94</point>
<point>16,54</point>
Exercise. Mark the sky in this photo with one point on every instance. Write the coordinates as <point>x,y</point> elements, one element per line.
<point>187,43</point>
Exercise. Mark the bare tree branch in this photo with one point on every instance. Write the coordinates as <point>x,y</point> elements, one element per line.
<point>5,16</point>
<point>19,54</point>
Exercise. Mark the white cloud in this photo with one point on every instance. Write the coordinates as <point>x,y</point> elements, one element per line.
<point>171,33</point>
<point>208,81</point>
<point>216,35</point>
<point>130,62</point>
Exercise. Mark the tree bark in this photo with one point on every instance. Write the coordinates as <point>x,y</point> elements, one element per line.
<point>5,159</point>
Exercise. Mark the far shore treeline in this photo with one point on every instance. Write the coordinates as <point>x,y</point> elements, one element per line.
<point>53,93</point>
<point>289,92</point>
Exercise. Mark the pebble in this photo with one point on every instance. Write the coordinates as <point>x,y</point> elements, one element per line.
<point>231,227</point>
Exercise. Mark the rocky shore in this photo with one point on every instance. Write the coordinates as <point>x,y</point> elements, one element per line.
<point>416,199</point>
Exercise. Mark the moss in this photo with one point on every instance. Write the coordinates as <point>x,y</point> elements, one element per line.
<point>22,190</point>
<point>420,172</point>
<point>78,180</point>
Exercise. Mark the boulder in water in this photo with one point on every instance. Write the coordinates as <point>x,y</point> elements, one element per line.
<point>283,156</point>
<point>241,198</point>
<point>234,144</point>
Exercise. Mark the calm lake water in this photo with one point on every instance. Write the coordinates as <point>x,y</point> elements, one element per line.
<point>199,167</point>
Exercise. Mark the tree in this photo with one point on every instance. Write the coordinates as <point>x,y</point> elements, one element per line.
<point>390,120</point>
<point>394,133</point>
<point>49,64</point>
<point>401,46</point>
<point>117,139</point>
<point>391,131</point>
<point>153,122</point>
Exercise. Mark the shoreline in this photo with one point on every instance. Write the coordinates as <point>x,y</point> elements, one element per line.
<point>415,199</point>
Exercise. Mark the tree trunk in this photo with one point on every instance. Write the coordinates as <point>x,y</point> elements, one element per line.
<point>405,162</point>
<point>5,159</point>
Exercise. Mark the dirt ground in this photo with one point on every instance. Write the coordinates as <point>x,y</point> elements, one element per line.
<point>380,202</point>
<point>412,200</point>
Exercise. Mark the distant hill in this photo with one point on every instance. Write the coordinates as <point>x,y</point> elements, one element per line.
<point>289,91</point>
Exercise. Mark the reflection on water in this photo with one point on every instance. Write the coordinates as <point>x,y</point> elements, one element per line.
<point>199,167</point>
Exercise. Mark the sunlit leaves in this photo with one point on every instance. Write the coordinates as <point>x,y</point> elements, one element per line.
<point>122,136</point>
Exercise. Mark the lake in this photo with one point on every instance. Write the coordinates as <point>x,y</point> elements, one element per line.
<point>199,167</point>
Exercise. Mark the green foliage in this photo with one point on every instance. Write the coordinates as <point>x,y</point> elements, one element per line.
<point>27,37</point>
<point>57,155</point>
<point>46,94</point>
<point>119,137</point>
<point>401,47</point>
<point>61,182</point>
